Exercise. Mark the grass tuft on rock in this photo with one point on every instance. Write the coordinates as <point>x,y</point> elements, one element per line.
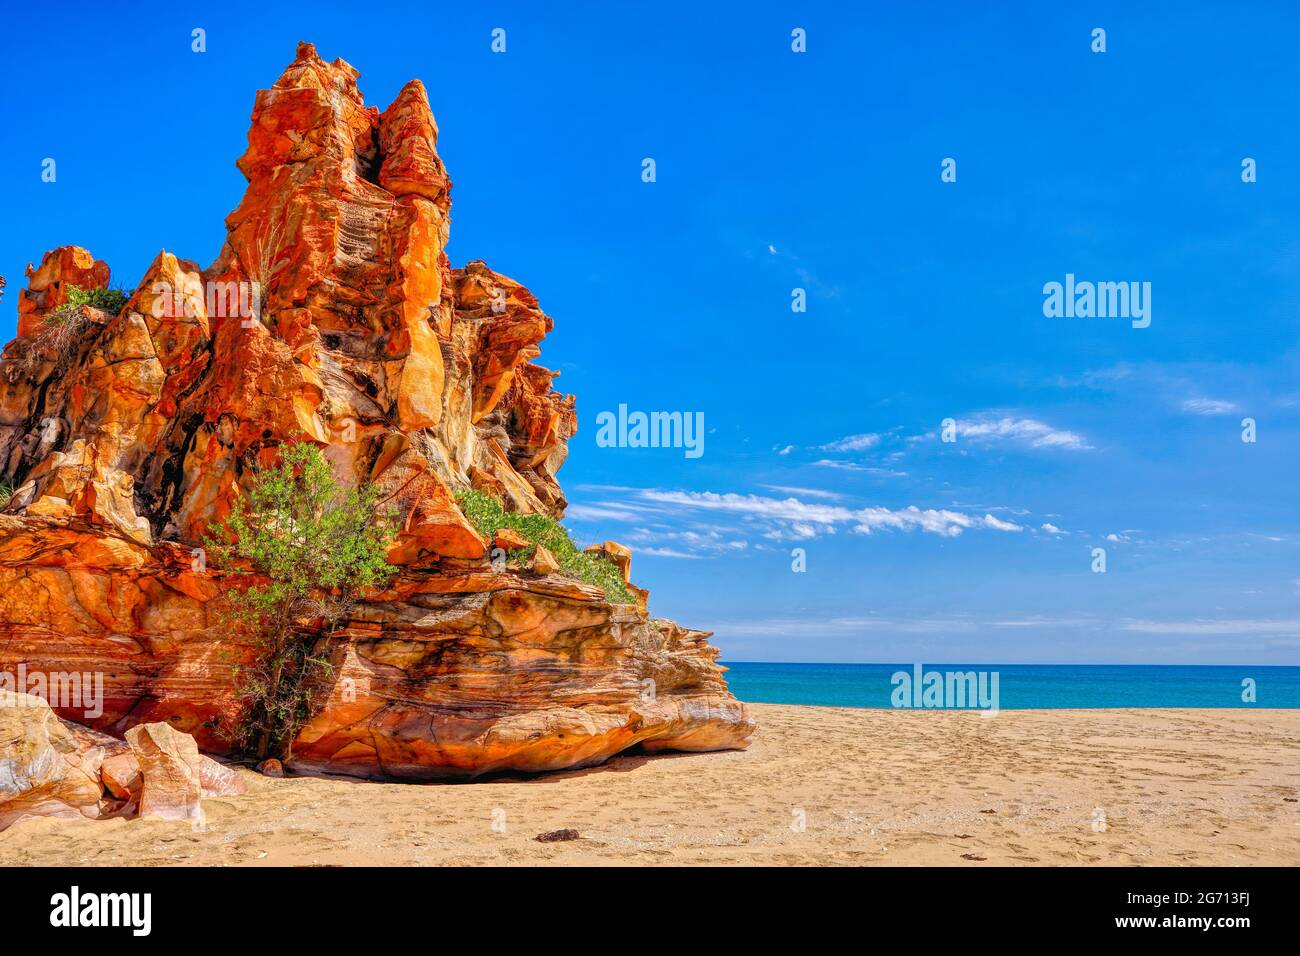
<point>60,332</point>
<point>488,516</point>
<point>110,300</point>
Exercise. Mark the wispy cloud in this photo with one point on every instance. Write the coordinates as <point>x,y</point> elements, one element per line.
<point>603,512</point>
<point>697,541</point>
<point>789,509</point>
<point>831,625</point>
<point>805,492</point>
<point>1209,406</point>
<point>873,470</point>
<point>813,626</point>
<point>782,519</point>
<point>853,443</point>
<point>1281,628</point>
<point>999,525</point>
<point>669,553</point>
<point>784,258</point>
<point>942,522</point>
<point>990,428</point>
<point>1182,386</point>
<point>1125,536</point>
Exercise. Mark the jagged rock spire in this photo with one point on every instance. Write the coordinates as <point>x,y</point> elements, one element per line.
<point>331,315</point>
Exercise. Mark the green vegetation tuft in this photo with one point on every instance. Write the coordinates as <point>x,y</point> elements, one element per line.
<point>110,300</point>
<point>59,336</point>
<point>488,516</point>
<point>314,547</point>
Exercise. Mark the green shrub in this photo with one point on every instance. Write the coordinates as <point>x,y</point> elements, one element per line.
<point>110,300</point>
<point>319,547</point>
<point>488,516</point>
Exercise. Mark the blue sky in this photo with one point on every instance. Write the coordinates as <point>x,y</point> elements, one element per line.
<point>821,171</point>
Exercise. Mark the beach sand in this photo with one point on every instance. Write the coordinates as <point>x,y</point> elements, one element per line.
<point>872,786</point>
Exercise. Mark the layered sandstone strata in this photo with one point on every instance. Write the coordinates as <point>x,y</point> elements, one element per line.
<point>331,315</point>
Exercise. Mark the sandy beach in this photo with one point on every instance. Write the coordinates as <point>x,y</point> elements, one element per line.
<point>870,787</point>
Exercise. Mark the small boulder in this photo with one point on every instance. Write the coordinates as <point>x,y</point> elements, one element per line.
<point>172,785</point>
<point>557,836</point>
<point>509,539</point>
<point>121,776</point>
<point>620,555</point>
<point>271,768</point>
<point>219,780</point>
<point>43,770</point>
<point>486,482</point>
<point>544,562</point>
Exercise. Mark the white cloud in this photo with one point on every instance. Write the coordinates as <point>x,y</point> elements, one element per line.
<point>864,469</point>
<point>1051,528</point>
<point>603,512</point>
<point>784,509</point>
<point>1041,621</point>
<point>1209,406</point>
<point>999,525</point>
<point>989,428</point>
<point>698,541</point>
<point>786,450</point>
<point>1201,626</point>
<point>806,492</point>
<point>669,553</point>
<point>780,519</point>
<point>823,626</point>
<point>1284,632</point>
<point>853,443</point>
<point>942,522</point>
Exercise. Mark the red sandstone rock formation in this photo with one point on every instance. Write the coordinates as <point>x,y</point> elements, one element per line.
<point>331,315</point>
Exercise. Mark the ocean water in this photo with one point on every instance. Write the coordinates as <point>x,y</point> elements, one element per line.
<point>1024,686</point>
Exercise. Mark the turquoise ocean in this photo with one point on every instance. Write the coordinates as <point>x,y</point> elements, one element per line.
<point>1025,686</point>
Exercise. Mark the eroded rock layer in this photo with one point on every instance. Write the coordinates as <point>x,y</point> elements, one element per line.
<point>331,315</point>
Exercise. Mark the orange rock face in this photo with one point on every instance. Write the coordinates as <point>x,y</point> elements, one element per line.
<point>331,315</point>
